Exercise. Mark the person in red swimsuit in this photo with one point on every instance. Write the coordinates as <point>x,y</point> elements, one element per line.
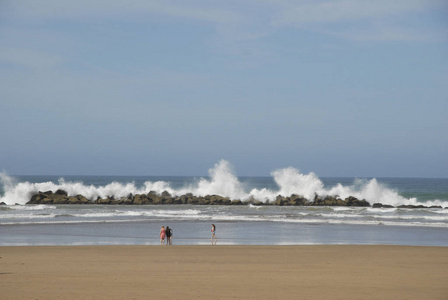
<point>162,235</point>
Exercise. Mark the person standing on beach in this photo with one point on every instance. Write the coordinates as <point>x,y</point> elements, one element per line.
<point>169,233</point>
<point>213,234</point>
<point>162,235</point>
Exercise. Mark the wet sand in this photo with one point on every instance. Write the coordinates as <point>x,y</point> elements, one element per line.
<point>224,272</point>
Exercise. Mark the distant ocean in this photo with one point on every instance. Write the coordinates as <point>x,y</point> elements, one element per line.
<point>260,225</point>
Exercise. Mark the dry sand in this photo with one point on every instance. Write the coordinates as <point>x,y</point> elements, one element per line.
<point>224,272</point>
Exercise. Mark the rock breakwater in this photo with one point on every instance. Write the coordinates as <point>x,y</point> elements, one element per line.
<point>153,198</point>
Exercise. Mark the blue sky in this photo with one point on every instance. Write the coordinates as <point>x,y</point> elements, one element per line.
<point>338,88</point>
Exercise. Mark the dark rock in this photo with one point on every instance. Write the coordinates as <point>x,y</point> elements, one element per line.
<point>193,200</point>
<point>165,194</point>
<point>57,199</point>
<point>154,198</point>
<point>280,200</point>
<point>332,201</point>
<point>177,200</point>
<point>353,201</point>
<point>2,203</point>
<point>78,199</point>
<point>226,201</point>
<point>48,198</point>
<point>60,197</point>
<point>101,201</point>
<point>181,200</point>
<point>412,206</point>
<point>318,201</point>
<point>380,205</point>
<point>216,200</point>
<point>35,199</point>
<point>61,193</point>
<point>297,200</point>
<point>125,201</point>
<point>167,200</point>
<point>157,200</point>
<point>141,199</point>
<point>204,200</point>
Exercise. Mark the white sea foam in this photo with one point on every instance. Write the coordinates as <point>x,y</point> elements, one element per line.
<point>32,207</point>
<point>25,216</point>
<point>222,181</point>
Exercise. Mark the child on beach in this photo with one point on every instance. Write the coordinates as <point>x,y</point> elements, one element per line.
<point>213,234</point>
<point>162,235</point>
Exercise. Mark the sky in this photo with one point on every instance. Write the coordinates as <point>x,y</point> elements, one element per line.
<point>157,87</point>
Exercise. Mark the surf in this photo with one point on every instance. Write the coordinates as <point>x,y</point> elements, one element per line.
<point>223,181</point>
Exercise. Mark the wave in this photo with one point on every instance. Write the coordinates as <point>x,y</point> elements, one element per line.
<point>223,182</point>
<point>311,220</point>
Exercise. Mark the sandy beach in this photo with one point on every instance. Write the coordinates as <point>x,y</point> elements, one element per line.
<point>224,272</point>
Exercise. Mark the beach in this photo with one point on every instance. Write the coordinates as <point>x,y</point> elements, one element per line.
<point>224,272</point>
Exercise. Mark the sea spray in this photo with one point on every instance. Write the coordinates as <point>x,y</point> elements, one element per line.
<point>291,181</point>
<point>221,181</point>
<point>370,190</point>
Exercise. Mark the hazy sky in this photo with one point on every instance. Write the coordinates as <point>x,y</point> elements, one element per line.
<point>147,87</point>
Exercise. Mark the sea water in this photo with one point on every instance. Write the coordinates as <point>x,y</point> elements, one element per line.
<point>22,224</point>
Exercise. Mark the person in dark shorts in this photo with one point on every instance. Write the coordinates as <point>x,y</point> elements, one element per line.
<point>169,235</point>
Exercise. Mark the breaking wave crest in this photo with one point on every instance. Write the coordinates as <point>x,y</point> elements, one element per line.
<point>222,181</point>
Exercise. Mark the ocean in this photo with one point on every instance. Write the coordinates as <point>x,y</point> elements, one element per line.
<point>22,224</point>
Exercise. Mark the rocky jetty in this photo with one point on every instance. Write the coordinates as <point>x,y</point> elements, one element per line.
<point>61,197</point>
<point>153,198</point>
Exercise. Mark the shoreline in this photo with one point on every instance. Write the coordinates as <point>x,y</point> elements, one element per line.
<point>223,272</point>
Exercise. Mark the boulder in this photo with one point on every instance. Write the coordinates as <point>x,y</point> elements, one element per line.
<point>102,201</point>
<point>154,198</point>
<point>412,206</point>
<point>204,200</point>
<point>226,201</point>
<point>48,198</point>
<point>178,200</point>
<point>280,200</point>
<point>318,201</point>
<point>157,200</point>
<point>381,205</point>
<point>436,206</point>
<point>123,201</point>
<point>58,199</point>
<point>353,201</point>
<point>193,200</point>
<point>35,199</point>
<point>165,194</point>
<point>78,199</point>
<point>330,201</point>
<point>141,199</point>
<point>61,193</point>
<point>181,200</point>
<point>297,200</point>
<point>167,200</point>
<point>216,200</point>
